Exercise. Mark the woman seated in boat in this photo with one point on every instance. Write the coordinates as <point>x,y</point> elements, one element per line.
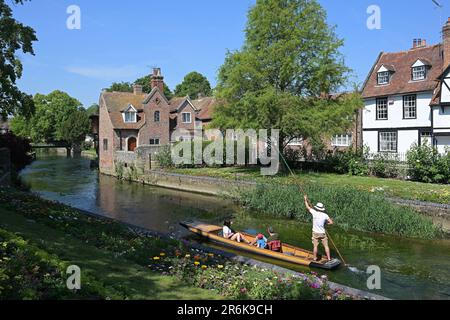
<point>228,233</point>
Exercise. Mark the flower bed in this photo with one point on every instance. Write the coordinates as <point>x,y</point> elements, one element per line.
<point>167,257</point>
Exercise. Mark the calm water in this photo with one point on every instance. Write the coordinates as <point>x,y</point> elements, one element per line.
<point>411,269</point>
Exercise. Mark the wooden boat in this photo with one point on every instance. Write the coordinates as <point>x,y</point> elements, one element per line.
<point>290,253</point>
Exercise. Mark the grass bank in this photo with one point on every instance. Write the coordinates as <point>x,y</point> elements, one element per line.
<point>386,187</point>
<point>349,207</point>
<point>39,239</point>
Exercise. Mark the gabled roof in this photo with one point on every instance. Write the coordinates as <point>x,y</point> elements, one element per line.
<point>116,102</point>
<point>177,103</point>
<point>152,93</point>
<point>400,81</point>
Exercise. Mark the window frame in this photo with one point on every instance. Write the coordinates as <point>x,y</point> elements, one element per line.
<point>342,140</point>
<point>377,115</point>
<point>385,74</point>
<point>414,71</point>
<point>190,117</point>
<point>409,107</point>
<point>392,132</point>
<point>157,116</point>
<point>154,141</point>
<point>105,144</point>
<point>134,118</point>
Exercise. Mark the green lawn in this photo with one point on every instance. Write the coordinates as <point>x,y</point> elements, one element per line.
<point>121,277</point>
<point>389,187</point>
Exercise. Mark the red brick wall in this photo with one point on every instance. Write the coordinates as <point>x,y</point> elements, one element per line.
<point>106,157</point>
<point>152,129</point>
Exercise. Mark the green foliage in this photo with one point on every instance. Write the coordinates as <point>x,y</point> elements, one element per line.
<point>289,59</point>
<point>425,164</point>
<point>145,82</point>
<point>49,123</point>
<point>349,207</point>
<point>193,84</point>
<point>20,150</point>
<point>385,165</point>
<point>164,157</point>
<point>75,128</point>
<point>14,38</point>
<point>93,109</point>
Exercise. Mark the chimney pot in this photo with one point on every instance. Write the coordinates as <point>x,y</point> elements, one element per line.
<point>137,89</point>
<point>157,80</point>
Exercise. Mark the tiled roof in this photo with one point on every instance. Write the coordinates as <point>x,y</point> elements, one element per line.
<point>116,102</point>
<point>402,62</point>
<point>205,106</point>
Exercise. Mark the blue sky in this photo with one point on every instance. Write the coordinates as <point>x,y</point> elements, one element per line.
<point>121,40</point>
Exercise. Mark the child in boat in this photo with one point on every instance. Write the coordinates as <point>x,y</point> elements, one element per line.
<point>228,233</point>
<point>260,241</point>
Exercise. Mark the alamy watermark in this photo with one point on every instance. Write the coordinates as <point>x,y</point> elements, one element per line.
<point>232,147</point>
<point>374,20</point>
<point>374,280</point>
<point>73,21</point>
<point>74,280</point>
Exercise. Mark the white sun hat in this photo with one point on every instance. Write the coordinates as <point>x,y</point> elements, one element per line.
<point>320,207</point>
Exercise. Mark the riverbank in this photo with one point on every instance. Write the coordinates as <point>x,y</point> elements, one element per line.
<point>118,263</point>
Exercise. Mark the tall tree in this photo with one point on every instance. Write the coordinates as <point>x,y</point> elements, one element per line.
<point>14,36</point>
<point>47,124</point>
<point>93,109</point>
<point>193,84</point>
<point>281,77</point>
<point>75,128</point>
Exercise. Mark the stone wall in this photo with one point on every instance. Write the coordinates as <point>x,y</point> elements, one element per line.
<point>5,167</point>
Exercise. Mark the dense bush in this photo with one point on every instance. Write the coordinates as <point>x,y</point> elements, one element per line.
<point>164,157</point>
<point>385,165</point>
<point>425,164</point>
<point>350,208</point>
<point>20,150</point>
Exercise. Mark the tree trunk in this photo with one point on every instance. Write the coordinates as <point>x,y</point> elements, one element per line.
<point>69,152</point>
<point>76,150</point>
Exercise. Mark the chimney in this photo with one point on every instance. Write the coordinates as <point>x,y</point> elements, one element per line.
<point>419,43</point>
<point>157,79</point>
<point>446,44</point>
<point>137,89</point>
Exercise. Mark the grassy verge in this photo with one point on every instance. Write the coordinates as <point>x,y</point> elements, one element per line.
<point>387,187</point>
<point>41,238</point>
<point>350,208</point>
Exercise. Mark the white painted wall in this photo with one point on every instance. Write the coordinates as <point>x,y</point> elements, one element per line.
<point>442,143</point>
<point>395,113</point>
<point>406,138</point>
<point>441,119</point>
<point>370,139</point>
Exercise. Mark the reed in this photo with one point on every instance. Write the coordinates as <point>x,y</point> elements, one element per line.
<point>349,207</point>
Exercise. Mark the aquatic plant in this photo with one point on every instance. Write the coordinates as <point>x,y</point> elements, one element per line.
<point>349,207</point>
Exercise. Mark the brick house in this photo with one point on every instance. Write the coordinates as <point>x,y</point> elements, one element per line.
<point>407,98</point>
<point>132,121</point>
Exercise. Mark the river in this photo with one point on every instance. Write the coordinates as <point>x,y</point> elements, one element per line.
<point>410,269</point>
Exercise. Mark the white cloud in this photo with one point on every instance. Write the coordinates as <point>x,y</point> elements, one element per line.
<point>105,73</point>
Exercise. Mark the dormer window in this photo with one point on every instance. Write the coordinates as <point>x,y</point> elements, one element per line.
<point>419,70</point>
<point>383,77</point>
<point>130,115</point>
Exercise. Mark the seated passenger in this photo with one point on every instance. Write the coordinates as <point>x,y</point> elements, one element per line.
<point>228,233</point>
<point>273,241</point>
<point>260,241</point>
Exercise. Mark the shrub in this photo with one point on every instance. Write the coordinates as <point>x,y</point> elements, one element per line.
<point>423,164</point>
<point>351,208</point>
<point>164,157</point>
<point>20,149</point>
<point>385,165</point>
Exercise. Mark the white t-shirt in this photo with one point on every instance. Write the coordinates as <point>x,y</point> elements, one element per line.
<point>319,220</point>
<point>226,231</point>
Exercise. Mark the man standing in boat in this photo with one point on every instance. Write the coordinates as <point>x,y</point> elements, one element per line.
<point>320,219</point>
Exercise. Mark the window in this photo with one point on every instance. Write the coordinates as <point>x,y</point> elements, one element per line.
<point>130,116</point>
<point>157,116</point>
<point>186,116</point>
<point>154,142</point>
<point>382,109</point>
<point>426,138</point>
<point>342,140</point>
<point>105,144</point>
<point>419,73</point>
<point>388,141</point>
<point>383,77</point>
<point>410,107</point>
